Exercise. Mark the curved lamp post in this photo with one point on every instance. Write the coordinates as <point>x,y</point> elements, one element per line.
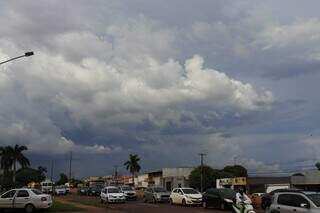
<point>27,54</point>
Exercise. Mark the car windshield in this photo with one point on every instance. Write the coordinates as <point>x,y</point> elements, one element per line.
<point>228,193</point>
<point>36,191</point>
<point>126,188</point>
<point>190,191</point>
<point>113,190</point>
<point>159,190</point>
<point>315,197</point>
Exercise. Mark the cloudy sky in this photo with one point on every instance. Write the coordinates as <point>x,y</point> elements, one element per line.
<point>167,80</point>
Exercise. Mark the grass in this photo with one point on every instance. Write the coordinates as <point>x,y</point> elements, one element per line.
<point>90,202</point>
<point>64,207</point>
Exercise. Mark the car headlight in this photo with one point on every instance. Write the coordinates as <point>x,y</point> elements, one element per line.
<point>228,200</point>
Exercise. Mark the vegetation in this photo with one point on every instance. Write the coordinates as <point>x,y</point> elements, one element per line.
<point>318,165</point>
<point>210,175</point>
<point>132,165</point>
<point>63,179</point>
<point>64,207</point>
<point>10,158</point>
<point>236,171</point>
<point>27,175</point>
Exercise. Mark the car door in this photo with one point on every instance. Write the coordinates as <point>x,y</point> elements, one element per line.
<point>291,203</point>
<point>180,196</point>
<point>21,199</point>
<point>297,200</point>
<point>174,195</point>
<point>209,197</point>
<point>6,200</point>
<point>147,194</point>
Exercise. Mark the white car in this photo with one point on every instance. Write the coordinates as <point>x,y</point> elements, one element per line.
<point>185,196</point>
<point>128,192</point>
<point>112,194</point>
<point>25,198</point>
<point>60,190</point>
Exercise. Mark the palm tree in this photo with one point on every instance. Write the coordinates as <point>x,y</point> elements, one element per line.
<point>6,160</point>
<point>132,165</point>
<point>18,157</point>
<point>11,156</point>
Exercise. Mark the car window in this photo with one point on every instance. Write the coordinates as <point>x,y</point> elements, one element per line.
<point>284,199</point>
<point>9,194</point>
<point>175,191</point>
<point>297,200</point>
<point>113,190</point>
<point>315,197</point>
<point>23,193</point>
<point>36,191</point>
<point>292,200</point>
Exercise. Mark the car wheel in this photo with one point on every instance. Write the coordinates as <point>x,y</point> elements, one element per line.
<point>222,206</point>
<point>154,200</point>
<point>29,208</point>
<point>184,202</point>
<point>204,205</point>
<point>171,201</point>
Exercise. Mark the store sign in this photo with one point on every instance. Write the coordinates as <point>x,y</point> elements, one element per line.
<point>239,181</point>
<point>226,181</point>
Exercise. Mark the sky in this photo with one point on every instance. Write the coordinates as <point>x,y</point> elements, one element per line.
<point>166,80</point>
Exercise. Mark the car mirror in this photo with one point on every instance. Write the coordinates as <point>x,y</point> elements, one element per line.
<point>305,205</point>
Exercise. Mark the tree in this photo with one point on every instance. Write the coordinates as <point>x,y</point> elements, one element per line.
<point>6,159</point>
<point>18,158</point>
<point>63,179</point>
<point>132,165</point>
<point>236,171</point>
<point>27,175</point>
<point>318,165</point>
<point>209,177</point>
<point>11,156</point>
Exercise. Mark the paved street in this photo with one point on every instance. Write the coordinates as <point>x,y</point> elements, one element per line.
<point>134,206</point>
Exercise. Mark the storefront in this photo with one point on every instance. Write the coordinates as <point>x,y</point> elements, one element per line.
<point>232,183</point>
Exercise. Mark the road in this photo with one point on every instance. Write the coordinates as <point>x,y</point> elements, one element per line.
<point>135,206</point>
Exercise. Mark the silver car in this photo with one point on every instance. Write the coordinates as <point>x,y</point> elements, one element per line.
<point>299,201</point>
<point>156,194</point>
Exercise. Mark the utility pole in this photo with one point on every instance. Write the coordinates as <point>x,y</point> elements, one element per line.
<point>70,167</point>
<point>116,174</point>
<point>201,176</point>
<point>51,171</point>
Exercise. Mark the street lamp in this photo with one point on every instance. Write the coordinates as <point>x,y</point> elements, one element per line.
<point>27,54</point>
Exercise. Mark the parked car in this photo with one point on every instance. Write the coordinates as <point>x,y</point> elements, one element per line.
<point>156,194</point>
<point>219,198</point>
<point>83,191</point>
<point>94,191</point>
<point>47,186</point>
<point>60,190</point>
<point>112,194</point>
<point>185,196</point>
<point>266,199</point>
<point>299,201</point>
<point>25,198</point>
<point>129,192</point>
<point>67,187</point>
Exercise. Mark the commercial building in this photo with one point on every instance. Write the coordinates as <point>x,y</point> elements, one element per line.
<point>167,178</point>
<point>261,184</point>
<point>309,180</point>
